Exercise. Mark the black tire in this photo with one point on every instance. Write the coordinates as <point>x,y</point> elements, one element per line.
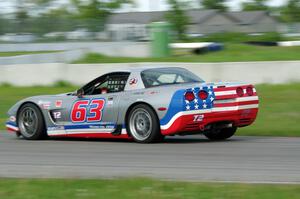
<point>220,134</point>
<point>31,127</point>
<point>143,124</point>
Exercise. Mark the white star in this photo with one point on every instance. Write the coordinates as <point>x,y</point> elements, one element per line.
<point>196,106</point>
<point>187,101</point>
<point>210,92</point>
<point>211,99</point>
<point>204,101</point>
<point>193,89</point>
<point>201,88</point>
<point>204,105</point>
<point>188,107</point>
<point>195,100</point>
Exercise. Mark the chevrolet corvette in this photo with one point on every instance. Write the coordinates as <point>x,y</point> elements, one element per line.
<point>144,104</point>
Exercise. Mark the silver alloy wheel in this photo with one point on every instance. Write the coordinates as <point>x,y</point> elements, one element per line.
<point>28,122</point>
<point>140,124</point>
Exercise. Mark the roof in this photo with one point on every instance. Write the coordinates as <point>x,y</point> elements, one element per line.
<point>247,17</point>
<point>136,17</point>
<point>146,67</point>
<point>197,16</point>
<point>138,68</point>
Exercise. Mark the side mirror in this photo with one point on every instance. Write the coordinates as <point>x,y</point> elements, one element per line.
<point>80,93</point>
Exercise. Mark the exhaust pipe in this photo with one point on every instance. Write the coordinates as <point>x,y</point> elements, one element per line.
<point>202,127</point>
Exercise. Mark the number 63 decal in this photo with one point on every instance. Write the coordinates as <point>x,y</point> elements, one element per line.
<point>87,110</point>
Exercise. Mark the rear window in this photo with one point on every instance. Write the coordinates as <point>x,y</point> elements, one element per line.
<point>167,76</point>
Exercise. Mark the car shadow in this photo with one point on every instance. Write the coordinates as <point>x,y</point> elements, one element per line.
<point>167,140</point>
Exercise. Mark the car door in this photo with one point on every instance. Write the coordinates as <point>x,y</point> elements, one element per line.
<point>96,111</point>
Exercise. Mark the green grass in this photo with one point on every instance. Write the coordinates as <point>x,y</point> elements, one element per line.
<point>231,53</point>
<point>139,188</point>
<point>10,54</point>
<point>279,112</point>
<point>10,95</point>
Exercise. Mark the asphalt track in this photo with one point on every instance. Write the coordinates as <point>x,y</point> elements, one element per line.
<point>192,158</point>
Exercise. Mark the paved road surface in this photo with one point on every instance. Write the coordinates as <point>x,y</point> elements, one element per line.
<point>241,159</point>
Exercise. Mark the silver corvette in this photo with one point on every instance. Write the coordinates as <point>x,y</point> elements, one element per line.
<point>143,104</point>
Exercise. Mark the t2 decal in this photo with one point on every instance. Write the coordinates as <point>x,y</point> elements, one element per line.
<point>198,118</point>
<point>87,110</point>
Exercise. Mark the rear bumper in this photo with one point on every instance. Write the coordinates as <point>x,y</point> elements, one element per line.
<point>198,120</point>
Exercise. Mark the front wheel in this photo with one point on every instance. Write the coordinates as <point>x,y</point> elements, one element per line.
<point>31,122</point>
<point>143,124</point>
<point>220,134</point>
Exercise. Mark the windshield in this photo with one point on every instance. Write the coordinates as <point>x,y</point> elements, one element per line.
<point>166,76</point>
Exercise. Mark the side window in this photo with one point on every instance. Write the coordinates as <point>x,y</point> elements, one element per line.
<point>111,84</point>
<point>116,83</point>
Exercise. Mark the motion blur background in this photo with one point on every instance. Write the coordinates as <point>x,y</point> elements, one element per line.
<point>56,46</point>
<point>38,32</point>
<point>63,44</point>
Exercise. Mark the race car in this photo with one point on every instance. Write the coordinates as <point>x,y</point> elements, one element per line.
<point>144,104</point>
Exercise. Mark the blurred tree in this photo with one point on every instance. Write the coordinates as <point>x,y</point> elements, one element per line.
<point>4,23</point>
<point>55,20</point>
<point>214,4</point>
<point>94,13</point>
<point>291,12</point>
<point>40,16</point>
<point>23,10</point>
<point>177,17</point>
<point>254,5</point>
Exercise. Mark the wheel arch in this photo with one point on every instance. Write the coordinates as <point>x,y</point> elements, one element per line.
<point>135,104</point>
<point>37,106</point>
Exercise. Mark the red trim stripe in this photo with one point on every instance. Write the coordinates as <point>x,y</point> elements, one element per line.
<point>236,103</point>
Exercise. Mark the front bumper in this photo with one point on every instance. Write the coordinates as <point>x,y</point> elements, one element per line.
<point>11,126</point>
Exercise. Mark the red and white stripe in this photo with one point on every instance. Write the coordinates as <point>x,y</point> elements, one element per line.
<point>226,101</point>
<point>12,128</point>
<point>227,98</point>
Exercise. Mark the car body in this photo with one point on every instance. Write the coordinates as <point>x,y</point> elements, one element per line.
<point>144,103</point>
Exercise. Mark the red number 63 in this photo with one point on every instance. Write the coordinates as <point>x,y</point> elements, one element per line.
<point>87,110</point>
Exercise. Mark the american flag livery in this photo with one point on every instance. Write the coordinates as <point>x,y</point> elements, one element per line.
<point>197,103</point>
<point>223,103</point>
<point>227,98</point>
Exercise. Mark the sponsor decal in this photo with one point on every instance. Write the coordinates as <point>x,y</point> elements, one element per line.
<point>139,93</point>
<point>44,104</point>
<point>57,115</point>
<point>12,119</point>
<point>102,127</point>
<point>54,128</point>
<point>58,103</point>
<point>198,118</point>
<point>95,127</point>
<point>153,92</point>
<point>133,81</point>
<point>87,110</point>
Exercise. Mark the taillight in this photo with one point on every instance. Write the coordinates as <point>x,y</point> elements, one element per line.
<point>249,90</point>
<point>203,95</point>
<point>189,96</point>
<point>240,92</point>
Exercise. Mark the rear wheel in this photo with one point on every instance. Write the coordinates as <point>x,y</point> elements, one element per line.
<point>220,134</point>
<point>143,124</point>
<point>31,122</point>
